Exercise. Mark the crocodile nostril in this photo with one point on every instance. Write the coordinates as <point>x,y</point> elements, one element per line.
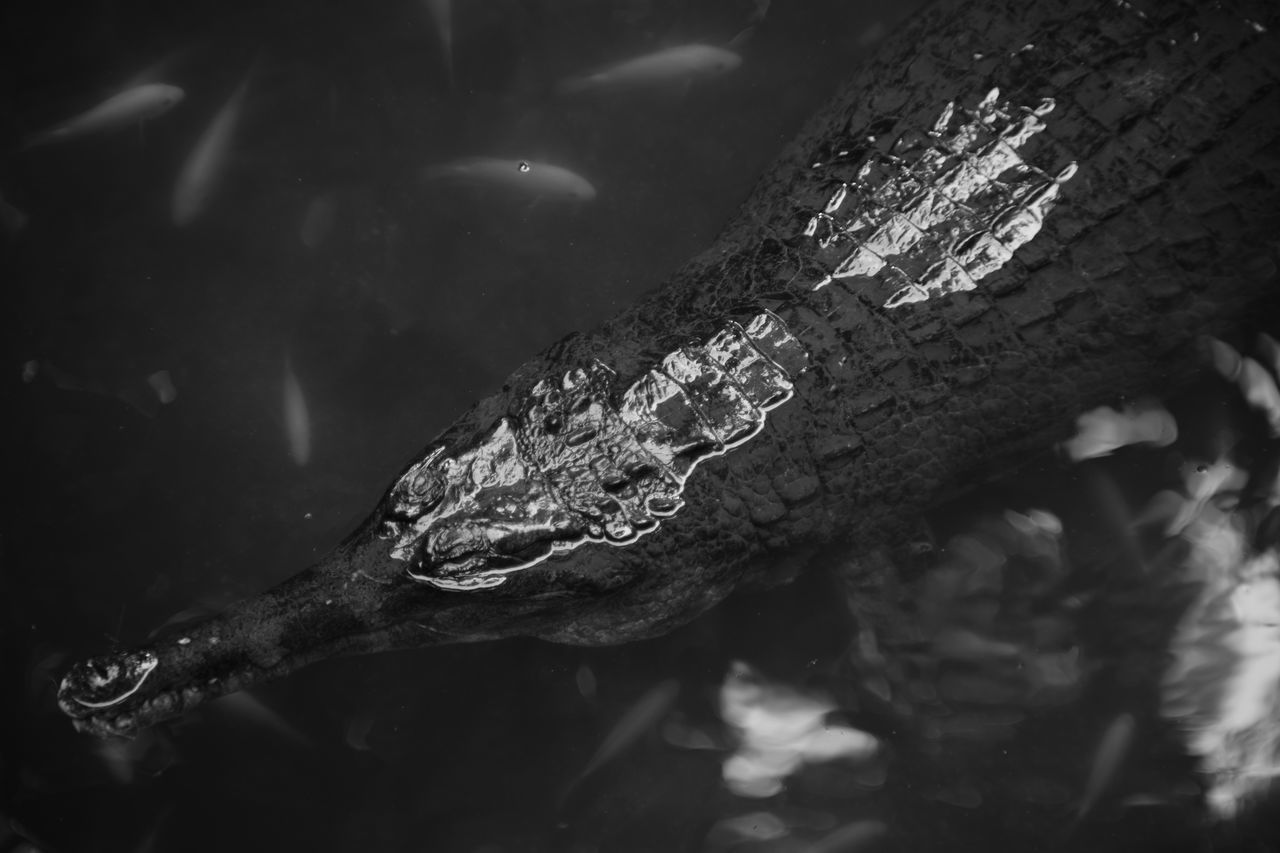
<point>105,681</point>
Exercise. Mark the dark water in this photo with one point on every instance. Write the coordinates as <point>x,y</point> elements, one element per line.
<point>123,511</point>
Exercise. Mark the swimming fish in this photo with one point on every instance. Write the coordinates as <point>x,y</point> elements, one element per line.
<point>1254,381</point>
<point>441,12</point>
<point>586,680</point>
<point>207,161</point>
<point>1102,431</point>
<point>1107,760</point>
<point>12,220</point>
<point>245,707</point>
<point>746,828</point>
<point>670,65</point>
<point>526,177</point>
<point>778,731</point>
<point>129,107</point>
<point>318,220</point>
<point>297,421</point>
<point>638,719</point>
<point>856,836</point>
<point>145,397</point>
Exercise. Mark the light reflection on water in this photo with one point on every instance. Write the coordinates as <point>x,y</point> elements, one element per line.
<point>393,308</point>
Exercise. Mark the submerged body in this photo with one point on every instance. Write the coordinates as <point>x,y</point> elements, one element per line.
<point>205,165</point>
<point>125,109</point>
<point>681,64</point>
<point>956,257</point>
<point>525,178</point>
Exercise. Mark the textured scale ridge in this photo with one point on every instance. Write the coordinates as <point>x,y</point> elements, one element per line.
<point>577,465</point>
<point>943,208</point>
<point>899,397</point>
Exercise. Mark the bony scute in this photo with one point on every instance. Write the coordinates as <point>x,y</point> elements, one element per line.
<point>583,463</point>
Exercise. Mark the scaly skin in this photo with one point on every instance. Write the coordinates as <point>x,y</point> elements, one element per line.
<point>1135,210</point>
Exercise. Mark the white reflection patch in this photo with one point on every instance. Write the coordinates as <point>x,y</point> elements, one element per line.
<point>779,730</point>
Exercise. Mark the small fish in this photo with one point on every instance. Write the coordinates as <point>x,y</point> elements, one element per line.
<point>150,753</point>
<point>162,383</point>
<point>851,838</point>
<point>1102,431</point>
<point>1257,385</point>
<point>441,12</point>
<point>779,730</point>
<point>638,719</point>
<point>133,105</point>
<point>680,734</point>
<point>245,707</point>
<point>526,177</point>
<point>358,732</point>
<point>297,422</point>
<point>962,644</point>
<point>12,220</point>
<point>318,221</point>
<point>205,164</point>
<point>750,827</point>
<point>960,796</point>
<point>680,64</point>
<point>586,680</point>
<point>759,9</point>
<point>1107,760</point>
<point>141,396</point>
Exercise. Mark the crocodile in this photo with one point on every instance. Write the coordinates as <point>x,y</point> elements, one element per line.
<point>1013,212</point>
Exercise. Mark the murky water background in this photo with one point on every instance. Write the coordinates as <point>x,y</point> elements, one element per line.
<point>413,303</point>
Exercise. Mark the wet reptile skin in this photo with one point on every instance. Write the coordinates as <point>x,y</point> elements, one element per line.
<point>1121,201</point>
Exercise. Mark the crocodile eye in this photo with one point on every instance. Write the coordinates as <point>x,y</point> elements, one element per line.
<point>426,488</point>
<point>424,484</point>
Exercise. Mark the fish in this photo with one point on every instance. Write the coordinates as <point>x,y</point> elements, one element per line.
<point>681,64</point>
<point>1102,431</point>
<point>1110,755</point>
<point>318,220</point>
<point>123,109</point>
<point>297,421</point>
<point>778,731</point>
<point>141,396</point>
<point>856,836</point>
<point>247,708</point>
<point>205,164</point>
<point>12,220</point>
<point>524,177</point>
<point>162,383</point>
<point>586,680</point>
<point>358,730</point>
<point>746,828</point>
<point>631,726</point>
<point>1255,383</point>
<point>441,12</point>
